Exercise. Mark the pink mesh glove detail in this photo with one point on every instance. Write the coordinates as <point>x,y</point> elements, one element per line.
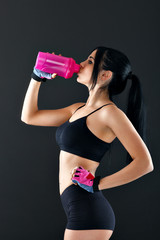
<point>84,179</point>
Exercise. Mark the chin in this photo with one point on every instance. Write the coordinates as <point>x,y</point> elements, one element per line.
<point>81,82</point>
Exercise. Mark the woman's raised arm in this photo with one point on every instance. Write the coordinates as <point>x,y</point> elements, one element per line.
<point>32,116</point>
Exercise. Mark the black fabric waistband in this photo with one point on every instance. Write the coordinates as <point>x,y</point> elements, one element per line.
<point>75,192</point>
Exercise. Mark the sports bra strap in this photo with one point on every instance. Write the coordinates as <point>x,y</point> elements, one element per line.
<point>94,110</point>
<point>99,108</point>
<point>78,108</point>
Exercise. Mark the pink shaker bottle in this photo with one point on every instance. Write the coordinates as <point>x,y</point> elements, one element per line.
<point>52,63</point>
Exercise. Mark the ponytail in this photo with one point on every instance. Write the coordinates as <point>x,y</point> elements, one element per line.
<point>136,110</point>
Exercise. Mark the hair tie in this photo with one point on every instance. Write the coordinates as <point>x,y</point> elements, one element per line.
<point>129,76</point>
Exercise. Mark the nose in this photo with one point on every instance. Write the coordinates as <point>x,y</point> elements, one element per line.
<point>81,65</point>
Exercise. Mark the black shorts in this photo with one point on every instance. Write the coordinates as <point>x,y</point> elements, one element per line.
<point>85,210</point>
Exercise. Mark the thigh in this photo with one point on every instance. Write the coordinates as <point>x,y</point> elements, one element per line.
<point>101,234</point>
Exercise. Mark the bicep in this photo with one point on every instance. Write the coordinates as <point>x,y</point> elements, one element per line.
<point>54,117</point>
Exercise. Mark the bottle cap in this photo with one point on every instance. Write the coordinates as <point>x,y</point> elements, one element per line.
<point>40,61</point>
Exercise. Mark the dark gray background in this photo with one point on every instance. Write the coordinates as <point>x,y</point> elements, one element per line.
<point>30,206</point>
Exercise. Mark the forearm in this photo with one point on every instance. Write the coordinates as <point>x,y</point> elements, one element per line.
<point>30,105</point>
<point>131,172</point>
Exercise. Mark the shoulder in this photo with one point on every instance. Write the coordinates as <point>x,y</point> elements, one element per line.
<point>114,115</point>
<point>112,109</point>
<point>74,106</point>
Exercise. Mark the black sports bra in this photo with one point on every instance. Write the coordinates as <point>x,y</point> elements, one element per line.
<point>75,137</point>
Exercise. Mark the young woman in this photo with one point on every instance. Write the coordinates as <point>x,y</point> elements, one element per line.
<point>85,132</point>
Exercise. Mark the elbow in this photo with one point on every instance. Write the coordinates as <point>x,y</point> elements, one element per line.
<point>150,166</point>
<point>24,120</point>
<point>147,163</point>
<point>145,166</point>
<point>27,121</point>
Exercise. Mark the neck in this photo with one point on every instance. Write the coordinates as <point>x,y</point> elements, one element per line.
<point>97,98</point>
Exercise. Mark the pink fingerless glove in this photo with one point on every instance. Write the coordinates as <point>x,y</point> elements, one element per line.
<point>86,180</point>
<point>40,75</point>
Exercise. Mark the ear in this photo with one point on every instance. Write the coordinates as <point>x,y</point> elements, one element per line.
<point>107,75</point>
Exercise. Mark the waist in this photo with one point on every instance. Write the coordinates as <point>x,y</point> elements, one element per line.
<point>85,153</point>
<point>67,162</point>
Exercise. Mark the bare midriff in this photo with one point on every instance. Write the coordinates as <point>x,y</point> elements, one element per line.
<point>67,163</point>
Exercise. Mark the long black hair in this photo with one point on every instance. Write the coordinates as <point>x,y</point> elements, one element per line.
<point>119,64</point>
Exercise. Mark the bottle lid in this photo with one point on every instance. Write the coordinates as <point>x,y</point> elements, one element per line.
<point>41,59</point>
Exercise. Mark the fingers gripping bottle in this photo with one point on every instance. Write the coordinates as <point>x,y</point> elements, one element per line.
<point>52,63</point>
